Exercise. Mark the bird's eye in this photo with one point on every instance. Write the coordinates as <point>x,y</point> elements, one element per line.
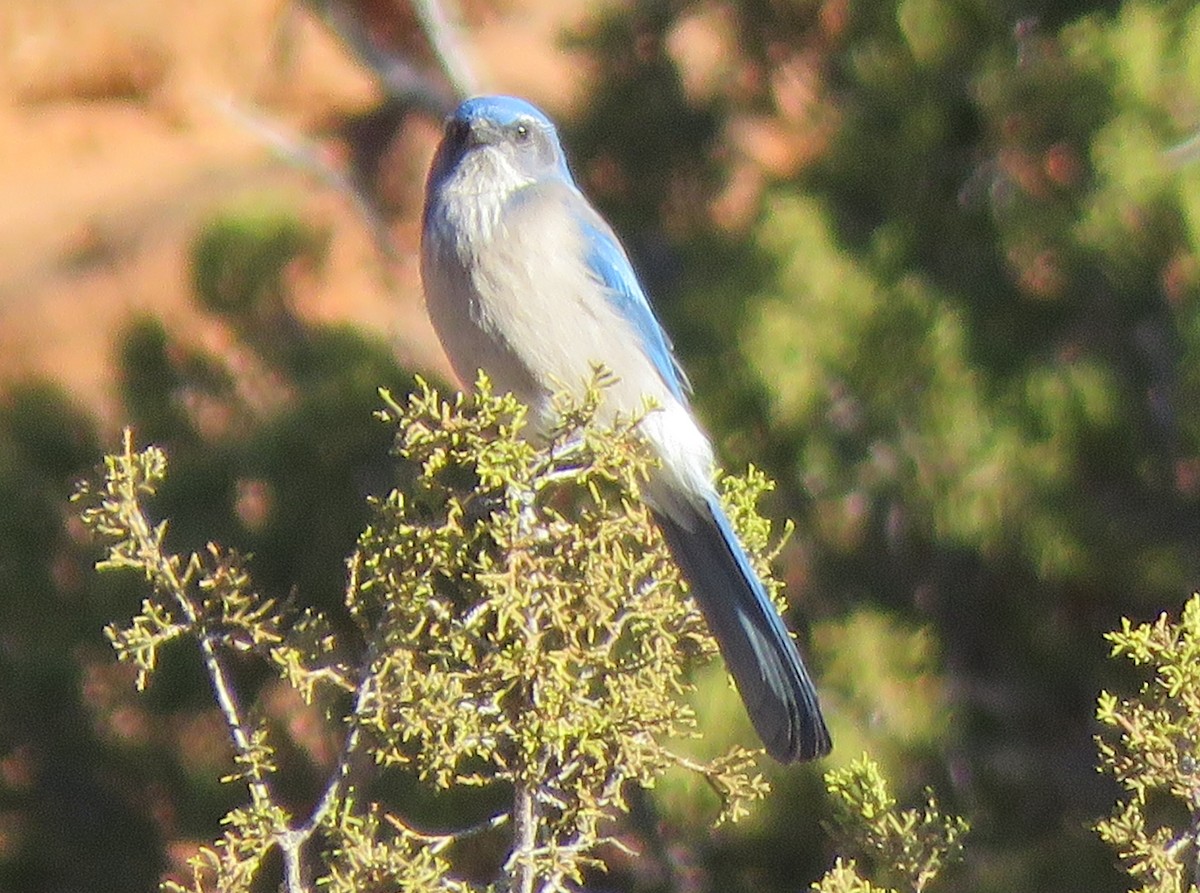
<point>522,133</point>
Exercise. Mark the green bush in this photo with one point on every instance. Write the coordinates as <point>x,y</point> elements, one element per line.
<point>519,626</point>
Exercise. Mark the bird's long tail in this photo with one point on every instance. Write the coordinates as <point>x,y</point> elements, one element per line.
<point>759,653</point>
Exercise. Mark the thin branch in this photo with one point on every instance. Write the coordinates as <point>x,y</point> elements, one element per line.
<point>292,844</point>
<point>704,770</point>
<point>306,155</point>
<point>444,38</point>
<point>1185,152</point>
<point>520,865</point>
<point>439,842</point>
<point>164,569</point>
<point>399,78</point>
<point>341,783</point>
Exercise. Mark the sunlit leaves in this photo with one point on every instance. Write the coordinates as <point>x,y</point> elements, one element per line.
<point>536,624</point>
<point>1150,749</point>
<point>521,623</point>
<point>906,848</point>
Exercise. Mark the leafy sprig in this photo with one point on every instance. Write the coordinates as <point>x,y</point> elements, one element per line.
<point>1150,747</point>
<point>904,849</point>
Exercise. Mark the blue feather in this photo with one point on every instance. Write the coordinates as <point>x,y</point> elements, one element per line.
<point>610,264</point>
<point>775,687</point>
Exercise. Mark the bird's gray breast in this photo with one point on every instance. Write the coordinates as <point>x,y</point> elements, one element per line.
<point>510,290</point>
<point>461,306</point>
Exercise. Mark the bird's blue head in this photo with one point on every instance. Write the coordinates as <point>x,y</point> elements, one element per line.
<point>510,130</point>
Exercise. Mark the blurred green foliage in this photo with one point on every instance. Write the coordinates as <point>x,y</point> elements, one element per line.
<point>941,278</point>
<point>240,261</point>
<point>62,786</point>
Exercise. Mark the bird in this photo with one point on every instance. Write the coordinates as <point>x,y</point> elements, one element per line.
<point>525,280</point>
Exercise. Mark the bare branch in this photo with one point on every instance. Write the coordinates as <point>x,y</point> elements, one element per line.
<point>520,864</point>
<point>1183,153</point>
<point>306,155</point>
<point>400,79</point>
<point>443,36</point>
<point>438,842</point>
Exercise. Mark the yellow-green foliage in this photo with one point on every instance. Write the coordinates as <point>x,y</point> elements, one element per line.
<point>905,849</point>
<point>523,627</point>
<point>1151,751</point>
<point>844,878</point>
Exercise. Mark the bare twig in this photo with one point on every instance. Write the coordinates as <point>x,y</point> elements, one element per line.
<point>443,37</point>
<point>1185,152</point>
<point>400,79</point>
<point>438,842</point>
<point>292,844</point>
<point>306,155</point>
<point>342,781</point>
<point>520,861</point>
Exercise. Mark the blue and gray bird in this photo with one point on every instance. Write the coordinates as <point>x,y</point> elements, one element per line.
<point>526,281</point>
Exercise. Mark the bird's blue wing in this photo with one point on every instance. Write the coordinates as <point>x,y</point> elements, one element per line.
<point>610,264</point>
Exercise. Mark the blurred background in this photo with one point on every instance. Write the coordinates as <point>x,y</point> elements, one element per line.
<point>930,263</point>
